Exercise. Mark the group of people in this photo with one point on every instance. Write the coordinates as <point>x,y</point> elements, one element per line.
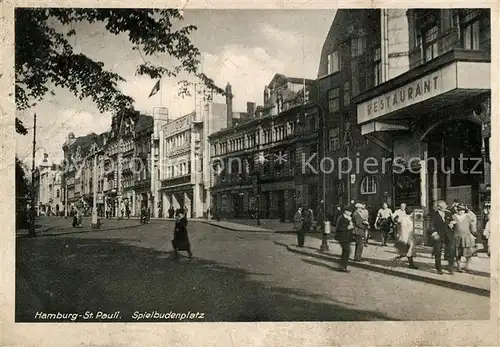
<point>452,230</point>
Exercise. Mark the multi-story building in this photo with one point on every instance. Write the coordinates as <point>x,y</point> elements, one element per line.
<point>184,157</point>
<point>405,85</point>
<point>257,159</point>
<point>76,151</point>
<point>123,167</point>
<point>50,198</point>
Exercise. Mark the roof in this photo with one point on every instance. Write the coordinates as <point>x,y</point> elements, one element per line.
<point>143,123</point>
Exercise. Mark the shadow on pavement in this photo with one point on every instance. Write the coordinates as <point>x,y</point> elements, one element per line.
<point>85,274</point>
<point>389,267</point>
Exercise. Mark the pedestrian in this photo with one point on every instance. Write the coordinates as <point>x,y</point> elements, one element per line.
<point>383,222</point>
<point>406,244</point>
<point>359,230</point>
<point>343,234</point>
<point>400,212</point>
<point>127,211</point>
<point>297,226</point>
<point>366,217</point>
<point>464,230</point>
<point>181,238</point>
<point>337,213</point>
<point>487,232</point>
<point>441,231</point>
<point>485,223</point>
<point>453,208</point>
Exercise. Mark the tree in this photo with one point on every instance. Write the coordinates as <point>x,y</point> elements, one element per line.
<point>44,57</point>
<point>22,194</point>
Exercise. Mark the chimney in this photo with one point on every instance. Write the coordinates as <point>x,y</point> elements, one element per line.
<point>251,110</point>
<point>229,104</point>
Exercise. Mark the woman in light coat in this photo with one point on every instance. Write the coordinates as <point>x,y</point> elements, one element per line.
<point>406,244</point>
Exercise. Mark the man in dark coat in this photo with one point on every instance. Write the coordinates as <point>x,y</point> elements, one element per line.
<point>181,238</point>
<point>360,225</point>
<point>343,234</point>
<point>442,233</point>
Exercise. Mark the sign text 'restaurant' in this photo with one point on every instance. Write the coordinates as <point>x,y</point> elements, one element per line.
<point>402,96</point>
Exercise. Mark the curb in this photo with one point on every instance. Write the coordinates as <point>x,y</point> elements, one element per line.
<point>243,230</point>
<point>394,272</point>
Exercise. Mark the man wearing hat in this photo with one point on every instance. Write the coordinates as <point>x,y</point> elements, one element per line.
<point>441,231</point>
<point>360,225</point>
<point>343,234</point>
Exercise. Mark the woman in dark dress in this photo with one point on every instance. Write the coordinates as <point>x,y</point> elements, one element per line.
<point>181,239</point>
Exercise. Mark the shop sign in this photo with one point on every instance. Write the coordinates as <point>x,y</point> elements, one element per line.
<point>414,92</point>
<point>418,222</point>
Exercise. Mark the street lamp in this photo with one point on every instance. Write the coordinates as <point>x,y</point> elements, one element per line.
<point>95,221</point>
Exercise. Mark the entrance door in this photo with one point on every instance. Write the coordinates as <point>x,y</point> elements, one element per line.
<point>456,146</point>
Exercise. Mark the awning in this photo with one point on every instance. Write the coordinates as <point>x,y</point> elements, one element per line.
<point>445,86</point>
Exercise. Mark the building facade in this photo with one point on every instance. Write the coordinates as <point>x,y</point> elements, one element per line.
<point>183,161</point>
<point>257,160</point>
<point>50,194</point>
<point>402,85</point>
<point>438,109</point>
<point>123,167</point>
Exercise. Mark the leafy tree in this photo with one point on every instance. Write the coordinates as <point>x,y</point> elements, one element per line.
<point>45,58</point>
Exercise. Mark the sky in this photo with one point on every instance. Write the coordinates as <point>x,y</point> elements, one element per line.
<point>243,47</point>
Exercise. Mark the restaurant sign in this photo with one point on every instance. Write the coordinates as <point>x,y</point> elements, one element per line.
<point>424,88</point>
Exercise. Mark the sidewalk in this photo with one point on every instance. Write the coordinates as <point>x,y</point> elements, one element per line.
<point>381,259</point>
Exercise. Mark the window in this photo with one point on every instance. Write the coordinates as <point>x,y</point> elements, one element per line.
<point>358,46</point>
<point>427,32</point>
<point>333,100</point>
<point>347,93</point>
<point>475,33</point>
<point>58,193</point>
<point>369,185</point>
<point>377,66</point>
<point>333,62</point>
<point>334,139</point>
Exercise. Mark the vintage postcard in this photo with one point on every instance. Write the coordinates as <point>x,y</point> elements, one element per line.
<point>249,174</point>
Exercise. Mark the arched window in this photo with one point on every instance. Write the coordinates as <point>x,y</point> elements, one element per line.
<point>369,185</point>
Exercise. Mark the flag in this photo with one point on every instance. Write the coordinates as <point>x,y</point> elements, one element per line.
<point>155,89</point>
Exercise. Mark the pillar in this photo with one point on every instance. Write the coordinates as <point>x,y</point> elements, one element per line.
<point>424,182</point>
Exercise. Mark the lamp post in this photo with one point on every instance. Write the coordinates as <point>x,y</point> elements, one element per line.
<point>95,221</point>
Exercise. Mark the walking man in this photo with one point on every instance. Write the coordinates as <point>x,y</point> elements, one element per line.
<point>359,230</point>
<point>441,232</point>
<point>343,234</point>
<point>297,225</point>
<point>383,220</point>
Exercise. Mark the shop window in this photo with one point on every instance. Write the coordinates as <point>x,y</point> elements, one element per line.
<point>369,185</point>
<point>333,62</point>
<point>358,46</point>
<point>333,100</point>
<point>334,139</point>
